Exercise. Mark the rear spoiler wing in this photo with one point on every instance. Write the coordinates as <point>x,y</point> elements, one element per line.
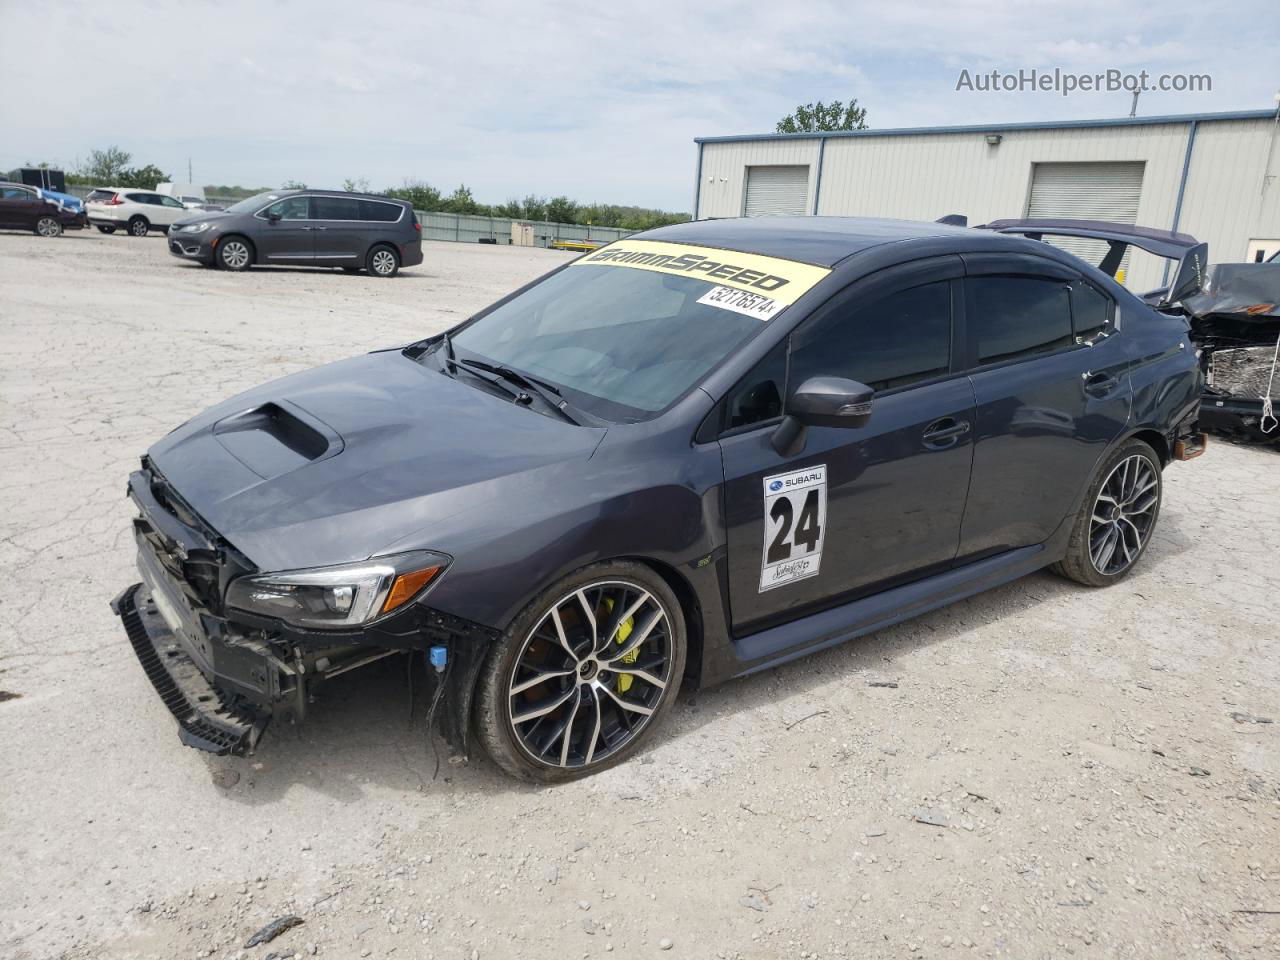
<point>1190,255</point>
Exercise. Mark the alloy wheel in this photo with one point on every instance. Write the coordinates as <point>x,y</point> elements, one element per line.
<point>138,228</point>
<point>48,227</point>
<point>384,262</point>
<point>235,254</point>
<point>590,674</point>
<point>1123,515</point>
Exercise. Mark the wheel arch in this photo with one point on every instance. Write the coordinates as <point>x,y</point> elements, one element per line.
<point>253,247</point>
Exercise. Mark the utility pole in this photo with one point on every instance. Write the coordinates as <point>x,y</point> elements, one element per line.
<point>1133,110</point>
<point>189,166</point>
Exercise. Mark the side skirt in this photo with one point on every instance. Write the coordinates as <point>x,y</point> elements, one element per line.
<point>769,648</point>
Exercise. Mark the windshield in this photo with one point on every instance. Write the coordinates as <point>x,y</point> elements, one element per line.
<point>628,334</point>
<point>251,204</point>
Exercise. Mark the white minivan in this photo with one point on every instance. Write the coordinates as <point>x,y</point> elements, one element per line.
<point>137,211</point>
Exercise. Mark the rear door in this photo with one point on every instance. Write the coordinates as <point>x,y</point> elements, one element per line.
<point>1051,381</point>
<point>341,234</point>
<point>855,510</point>
<point>289,239</point>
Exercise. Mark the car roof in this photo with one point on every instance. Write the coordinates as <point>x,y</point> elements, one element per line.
<point>308,191</point>
<point>822,241</point>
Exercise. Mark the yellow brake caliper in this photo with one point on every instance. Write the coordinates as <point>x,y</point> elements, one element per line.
<point>624,630</point>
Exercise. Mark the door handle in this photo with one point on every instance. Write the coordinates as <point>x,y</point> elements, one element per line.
<point>308,228</point>
<point>1099,384</point>
<point>945,432</point>
<point>319,228</point>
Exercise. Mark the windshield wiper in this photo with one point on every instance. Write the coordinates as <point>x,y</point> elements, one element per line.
<point>547,393</point>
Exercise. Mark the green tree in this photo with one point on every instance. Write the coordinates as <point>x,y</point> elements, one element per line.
<point>816,117</point>
<point>535,208</point>
<point>353,185</point>
<point>293,185</point>
<point>562,210</point>
<point>511,209</point>
<point>144,178</point>
<point>420,194</point>
<point>105,166</point>
<point>461,201</point>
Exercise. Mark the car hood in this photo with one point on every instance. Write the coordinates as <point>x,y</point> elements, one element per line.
<point>339,463</point>
<point>203,216</point>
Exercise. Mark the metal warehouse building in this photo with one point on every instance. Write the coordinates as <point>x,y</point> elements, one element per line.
<point>1212,175</point>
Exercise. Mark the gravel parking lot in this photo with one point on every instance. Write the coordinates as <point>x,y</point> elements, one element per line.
<point>1041,771</point>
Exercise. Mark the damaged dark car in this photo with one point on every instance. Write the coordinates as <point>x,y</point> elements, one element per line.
<point>688,456</point>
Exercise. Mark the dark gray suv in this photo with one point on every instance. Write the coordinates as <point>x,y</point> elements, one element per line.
<point>313,228</point>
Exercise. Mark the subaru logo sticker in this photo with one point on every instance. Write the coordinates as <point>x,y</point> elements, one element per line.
<point>776,485</point>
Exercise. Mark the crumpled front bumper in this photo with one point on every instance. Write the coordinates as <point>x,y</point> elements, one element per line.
<point>207,720</point>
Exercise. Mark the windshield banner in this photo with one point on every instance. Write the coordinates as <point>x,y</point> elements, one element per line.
<point>782,281</point>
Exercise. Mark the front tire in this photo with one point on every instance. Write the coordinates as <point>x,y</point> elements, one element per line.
<point>583,674</point>
<point>102,229</point>
<point>1116,519</point>
<point>235,254</point>
<point>48,227</point>
<point>382,261</point>
<point>139,226</point>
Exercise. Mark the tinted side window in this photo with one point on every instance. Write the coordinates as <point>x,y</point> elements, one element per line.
<point>378,211</point>
<point>1090,310</point>
<point>758,396</point>
<point>335,208</point>
<point>1014,317</point>
<point>290,208</point>
<point>138,197</point>
<point>895,340</point>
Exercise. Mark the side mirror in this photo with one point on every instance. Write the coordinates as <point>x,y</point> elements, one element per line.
<point>823,402</point>
<point>273,217</point>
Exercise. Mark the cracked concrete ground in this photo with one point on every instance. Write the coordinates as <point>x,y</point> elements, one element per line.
<point>1091,755</point>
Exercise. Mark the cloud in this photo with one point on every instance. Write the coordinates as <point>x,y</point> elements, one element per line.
<point>595,101</point>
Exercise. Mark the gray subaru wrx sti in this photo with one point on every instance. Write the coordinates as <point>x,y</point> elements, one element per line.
<point>687,456</point>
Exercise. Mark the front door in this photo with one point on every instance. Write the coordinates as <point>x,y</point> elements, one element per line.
<point>289,239</point>
<point>168,210</point>
<point>854,510</point>
<point>1050,375</point>
<point>19,208</point>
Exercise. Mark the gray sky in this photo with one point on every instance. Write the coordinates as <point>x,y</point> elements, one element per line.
<point>599,101</point>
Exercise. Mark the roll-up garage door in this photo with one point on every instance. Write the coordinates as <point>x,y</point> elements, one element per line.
<point>777,191</point>
<point>1086,191</point>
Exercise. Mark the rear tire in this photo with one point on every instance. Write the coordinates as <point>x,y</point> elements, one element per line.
<point>382,261</point>
<point>139,226</point>
<point>48,227</point>
<point>590,686</point>
<point>1116,519</point>
<point>102,229</point>
<point>235,253</point>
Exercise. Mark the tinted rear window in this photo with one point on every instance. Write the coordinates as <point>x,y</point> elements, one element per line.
<point>335,208</point>
<point>101,195</point>
<point>1015,317</point>
<point>379,211</point>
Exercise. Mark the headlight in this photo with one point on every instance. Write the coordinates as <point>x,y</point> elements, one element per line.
<point>200,227</point>
<point>334,597</point>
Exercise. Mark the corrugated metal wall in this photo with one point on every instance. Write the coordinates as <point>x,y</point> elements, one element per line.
<point>465,228</point>
<point>923,177</point>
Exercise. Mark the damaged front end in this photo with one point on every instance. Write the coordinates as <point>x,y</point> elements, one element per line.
<point>225,673</point>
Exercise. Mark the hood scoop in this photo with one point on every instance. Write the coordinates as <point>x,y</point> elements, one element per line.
<point>276,437</point>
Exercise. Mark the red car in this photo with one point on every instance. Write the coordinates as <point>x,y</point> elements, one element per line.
<point>27,208</point>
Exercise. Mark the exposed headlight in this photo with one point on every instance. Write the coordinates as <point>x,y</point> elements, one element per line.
<point>200,227</point>
<point>335,597</point>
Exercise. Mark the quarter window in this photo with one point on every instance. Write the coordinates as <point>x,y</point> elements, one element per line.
<point>892,341</point>
<point>379,212</point>
<point>758,396</point>
<point>1090,310</point>
<point>336,208</point>
<point>290,208</point>
<point>1015,317</point>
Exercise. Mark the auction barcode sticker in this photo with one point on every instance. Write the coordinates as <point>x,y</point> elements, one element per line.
<point>742,301</point>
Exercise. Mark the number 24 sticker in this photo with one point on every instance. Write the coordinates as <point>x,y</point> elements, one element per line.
<point>795,519</point>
